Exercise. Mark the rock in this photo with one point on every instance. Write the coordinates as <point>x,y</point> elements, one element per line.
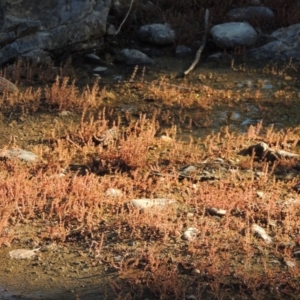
<point>288,35</point>
<point>216,211</point>
<point>65,113</point>
<point>290,263</point>
<point>20,154</point>
<point>256,229</point>
<point>6,85</point>
<point>111,30</point>
<point>49,25</point>
<point>255,14</point>
<point>272,50</point>
<point>233,34</point>
<point>182,51</point>
<point>166,139</point>
<point>157,34</point>
<point>93,58</point>
<point>23,253</point>
<point>100,70</point>
<point>113,193</point>
<point>285,46</point>
<point>148,203</point>
<point>190,234</point>
<point>135,57</point>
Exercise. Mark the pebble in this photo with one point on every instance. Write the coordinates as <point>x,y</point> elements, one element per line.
<point>23,253</point>
<point>216,211</point>
<point>290,263</point>
<point>262,233</point>
<point>166,139</point>
<point>99,69</point>
<point>147,203</point>
<point>190,234</point>
<point>20,154</point>
<point>112,192</point>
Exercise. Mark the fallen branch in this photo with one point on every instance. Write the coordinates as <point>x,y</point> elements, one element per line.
<point>128,12</point>
<point>198,54</point>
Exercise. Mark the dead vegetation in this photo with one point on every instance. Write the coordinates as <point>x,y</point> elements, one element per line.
<point>94,159</point>
<point>146,248</point>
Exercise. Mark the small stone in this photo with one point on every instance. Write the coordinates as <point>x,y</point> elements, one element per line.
<point>261,233</point>
<point>23,253</point>
<point>111,192</point>
<point>290,263</point>
<point>20,154</point>
<point>260,194</point>
<point>196,271</point>
<point>147,203</point>
<point>166,139</point>
<point>190,215</point>
<point>190,234</point>
<point>64,113</point>
<point>111,30</point>
<point>216,211</point>
<point>100,69</point>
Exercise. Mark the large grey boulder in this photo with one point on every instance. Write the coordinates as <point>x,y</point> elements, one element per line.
<point>233,34</point>
<point>37,26</point>
<point>286,45</point>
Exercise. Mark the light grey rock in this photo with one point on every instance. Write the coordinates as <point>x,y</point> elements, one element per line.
<point>23,253</point>
<point>49,25</point>
<point>158,34</point>
<point>113,193</point>
<point>251,13</point>
<point>148,203</point>
<point>20,154</point>
<point>135,57</point>
<point>256,229</point>
<point>233,34</point>
<point>285,46</point>
<point>190,234</point>
<point>100,70</point>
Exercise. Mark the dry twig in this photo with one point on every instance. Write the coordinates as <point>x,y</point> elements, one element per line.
<point>124,20</point>
<point>198,54</point>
